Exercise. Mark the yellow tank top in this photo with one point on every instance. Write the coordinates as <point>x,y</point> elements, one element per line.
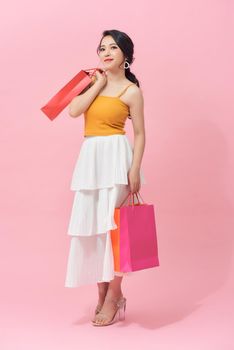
<point>106,115</point>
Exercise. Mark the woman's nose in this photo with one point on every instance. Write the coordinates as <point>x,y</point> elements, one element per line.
<point>107,53</point>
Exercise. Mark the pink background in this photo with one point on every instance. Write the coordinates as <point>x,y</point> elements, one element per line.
<point>184,61</point>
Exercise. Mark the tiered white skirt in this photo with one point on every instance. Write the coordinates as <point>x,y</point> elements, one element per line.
<point>100,183</point>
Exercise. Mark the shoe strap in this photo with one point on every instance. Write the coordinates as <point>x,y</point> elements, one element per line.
<point>119,302</point>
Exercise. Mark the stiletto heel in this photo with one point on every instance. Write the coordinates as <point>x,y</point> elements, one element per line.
<point>119,314</point>
<point>122,311</point>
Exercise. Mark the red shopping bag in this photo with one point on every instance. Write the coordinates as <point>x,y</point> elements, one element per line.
<point>134,241</point>
<point>73,88</point>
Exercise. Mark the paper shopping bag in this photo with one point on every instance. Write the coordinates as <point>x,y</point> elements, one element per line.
<point>73,88</point>
<point>134,241</point>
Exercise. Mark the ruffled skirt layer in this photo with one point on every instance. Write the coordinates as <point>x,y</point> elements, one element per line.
<point>100,183</point>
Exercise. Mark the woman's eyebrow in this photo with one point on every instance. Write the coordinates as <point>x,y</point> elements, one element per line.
<point>109,44</point>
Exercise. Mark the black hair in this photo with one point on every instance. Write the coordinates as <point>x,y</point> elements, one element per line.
<point>126,45</point>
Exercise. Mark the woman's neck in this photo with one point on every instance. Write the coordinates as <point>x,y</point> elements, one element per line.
<point>114,77</point>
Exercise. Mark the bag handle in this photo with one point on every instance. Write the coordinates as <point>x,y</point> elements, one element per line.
<point>131,195</point>
<point>94,70</point>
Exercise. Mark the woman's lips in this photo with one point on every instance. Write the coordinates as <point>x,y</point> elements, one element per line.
<point>108,60</point>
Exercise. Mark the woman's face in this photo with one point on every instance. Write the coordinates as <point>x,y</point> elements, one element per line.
<point>108,49</point>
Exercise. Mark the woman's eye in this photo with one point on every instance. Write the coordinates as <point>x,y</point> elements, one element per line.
<point>102,49</point>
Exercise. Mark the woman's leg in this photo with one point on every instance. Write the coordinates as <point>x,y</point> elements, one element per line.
<point>114,292</point>
<point>102,290</point>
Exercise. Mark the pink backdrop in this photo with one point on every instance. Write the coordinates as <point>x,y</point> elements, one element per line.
<point>184,61</point>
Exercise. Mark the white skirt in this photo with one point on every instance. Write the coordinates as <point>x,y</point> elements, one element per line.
<point>100,183</point>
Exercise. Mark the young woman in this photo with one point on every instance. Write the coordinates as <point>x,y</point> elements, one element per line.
<point>107,170</point>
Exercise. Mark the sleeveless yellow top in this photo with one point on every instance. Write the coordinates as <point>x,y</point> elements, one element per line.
<point>106,115</point>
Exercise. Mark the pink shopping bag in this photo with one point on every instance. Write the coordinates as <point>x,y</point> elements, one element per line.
<point>73,88</point>
<point>134,241</point>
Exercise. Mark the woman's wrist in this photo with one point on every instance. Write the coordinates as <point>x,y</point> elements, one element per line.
<point>135,167</point>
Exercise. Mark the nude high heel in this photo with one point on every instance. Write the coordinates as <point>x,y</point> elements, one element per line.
<point>97,310</point>
<point>119,314</point>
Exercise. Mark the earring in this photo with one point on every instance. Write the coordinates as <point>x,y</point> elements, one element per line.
<point>128,65</point>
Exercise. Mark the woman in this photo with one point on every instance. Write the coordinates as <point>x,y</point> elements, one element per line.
<point>107,170</point>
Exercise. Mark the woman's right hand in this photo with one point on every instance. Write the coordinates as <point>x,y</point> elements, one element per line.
<point>101,78</point>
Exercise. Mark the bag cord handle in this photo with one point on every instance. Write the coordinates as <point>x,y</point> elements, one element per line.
<point>92,69</point>
<point>131,195</point>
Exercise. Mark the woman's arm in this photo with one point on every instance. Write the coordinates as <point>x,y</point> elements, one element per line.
<point>136,106</point>
<point>80,103</point>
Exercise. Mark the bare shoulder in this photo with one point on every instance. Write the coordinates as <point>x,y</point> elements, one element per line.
<point>135,90</point>
<point>134,95</point>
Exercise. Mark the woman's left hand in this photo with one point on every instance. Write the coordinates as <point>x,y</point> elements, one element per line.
<point>134,180</point>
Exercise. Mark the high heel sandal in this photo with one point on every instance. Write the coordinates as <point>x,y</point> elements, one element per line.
<point>119,314</point>
<point>97,310</point>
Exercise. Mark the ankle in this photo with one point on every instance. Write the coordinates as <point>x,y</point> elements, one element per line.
<point>112,294</point>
